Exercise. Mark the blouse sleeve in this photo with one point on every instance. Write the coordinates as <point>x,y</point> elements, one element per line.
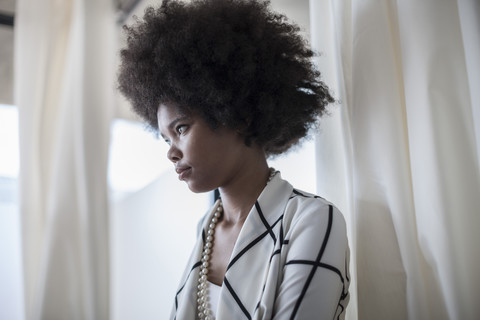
<point>314,282</point>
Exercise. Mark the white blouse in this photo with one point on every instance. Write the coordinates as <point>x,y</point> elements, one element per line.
<point>213,292</point>
<point>290,261</point>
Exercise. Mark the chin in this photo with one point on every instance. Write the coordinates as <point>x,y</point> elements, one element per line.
<point>198,189</point>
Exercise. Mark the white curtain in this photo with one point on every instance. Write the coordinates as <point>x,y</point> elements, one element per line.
<point>400,152</point>
<point>63,89</point>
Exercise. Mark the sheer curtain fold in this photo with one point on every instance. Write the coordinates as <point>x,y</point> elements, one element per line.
<point>399,154</point>
<point>63,88</point>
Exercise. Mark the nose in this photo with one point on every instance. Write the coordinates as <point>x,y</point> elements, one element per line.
<point>174,154</point>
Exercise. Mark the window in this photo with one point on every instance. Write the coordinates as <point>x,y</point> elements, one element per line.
<point>11,285</point>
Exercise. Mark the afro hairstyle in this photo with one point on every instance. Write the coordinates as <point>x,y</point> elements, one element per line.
<point>233,62</point>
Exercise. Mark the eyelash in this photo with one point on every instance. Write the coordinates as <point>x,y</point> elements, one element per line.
<point>181,128</point>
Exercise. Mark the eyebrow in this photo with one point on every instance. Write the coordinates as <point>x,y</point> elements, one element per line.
<point>177,120</point>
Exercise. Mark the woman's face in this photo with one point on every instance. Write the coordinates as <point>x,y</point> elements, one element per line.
<point>205,159</point>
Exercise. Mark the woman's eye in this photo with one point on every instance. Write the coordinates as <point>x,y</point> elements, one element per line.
<point>181,129</point>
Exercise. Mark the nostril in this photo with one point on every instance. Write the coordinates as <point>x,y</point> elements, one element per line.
<point>174,154</point>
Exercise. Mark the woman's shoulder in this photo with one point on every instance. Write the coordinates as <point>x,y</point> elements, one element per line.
<point>310,220</point>
<point>307,208</point>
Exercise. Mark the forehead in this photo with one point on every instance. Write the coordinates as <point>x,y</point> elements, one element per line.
<point>168,110</point>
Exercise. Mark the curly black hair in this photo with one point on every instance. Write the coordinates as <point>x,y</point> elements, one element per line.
<point>234,62</point>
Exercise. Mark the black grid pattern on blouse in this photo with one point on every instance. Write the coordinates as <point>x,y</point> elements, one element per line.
<point>315,264</point>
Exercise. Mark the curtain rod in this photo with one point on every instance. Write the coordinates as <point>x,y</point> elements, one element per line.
<point>6,19</point>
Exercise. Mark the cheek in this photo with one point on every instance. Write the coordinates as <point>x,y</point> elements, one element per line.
<point>199,150</point>
<point>206,148</point>
<point>203,143</point>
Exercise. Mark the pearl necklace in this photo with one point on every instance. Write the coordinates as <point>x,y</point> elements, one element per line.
<point>203,305</point>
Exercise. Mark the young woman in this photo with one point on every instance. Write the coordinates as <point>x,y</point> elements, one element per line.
<point>228,83</point>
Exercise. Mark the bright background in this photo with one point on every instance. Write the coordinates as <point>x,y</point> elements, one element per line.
<point>102,228</point>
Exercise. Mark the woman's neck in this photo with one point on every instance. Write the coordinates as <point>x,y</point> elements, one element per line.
<point>240,195</point>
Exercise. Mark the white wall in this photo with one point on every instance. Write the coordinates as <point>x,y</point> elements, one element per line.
<point>152,234</point>
<point>11,284</point>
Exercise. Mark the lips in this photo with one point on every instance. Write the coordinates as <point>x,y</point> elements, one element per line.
<point>182,172</point>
